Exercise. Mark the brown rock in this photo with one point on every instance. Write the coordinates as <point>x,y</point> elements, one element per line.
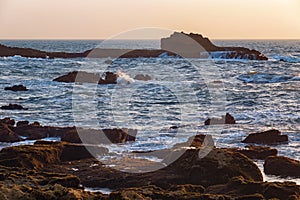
<point>7,135</point>
<point>238,187</point>
<point>282,166</point>
<point>258,152</point>
<point>227,119</point>
<point>86,77</point>
<point>267,137</point>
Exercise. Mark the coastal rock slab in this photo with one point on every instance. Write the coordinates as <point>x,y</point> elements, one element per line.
<point>270,137</point>
<point>282,166</point>
<point>258,152</point>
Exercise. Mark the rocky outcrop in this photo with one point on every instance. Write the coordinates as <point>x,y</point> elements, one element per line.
<point>238,186</point>
<point>258,152</point>
<point>7,135</point>
<point>267,137</point>
<point>13,107</point>
<point>35,131</point>
<point>181,44</point>
<point>196,46</point>
<point>227,119</point>
<point>16,88</point>
<point>104,136</point>
<point>282,166</point>
<point>86,77</point>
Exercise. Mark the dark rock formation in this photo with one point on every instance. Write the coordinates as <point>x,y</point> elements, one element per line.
<point>7,135</point>
<point>142,77</point>
<point>282,166</point>
<point>184,45</point>
<point>13,107</point>
<point>192,45</point>
<point>239,186</point>
<point>104,136</point>
<point>258,152</point>
<point>227,119</point>
<point>16,88</point>
<point>267,137</point>
<point>86,77</point>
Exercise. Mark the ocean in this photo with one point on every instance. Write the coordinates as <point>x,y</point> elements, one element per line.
<point>261,95</point>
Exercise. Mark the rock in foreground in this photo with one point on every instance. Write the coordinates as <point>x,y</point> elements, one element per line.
<point>270,137</point>
<point>282,166</point>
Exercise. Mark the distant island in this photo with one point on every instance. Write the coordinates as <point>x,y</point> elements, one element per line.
<point>178,44</point>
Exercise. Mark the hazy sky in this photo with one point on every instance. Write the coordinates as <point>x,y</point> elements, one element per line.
<point>100,19</point>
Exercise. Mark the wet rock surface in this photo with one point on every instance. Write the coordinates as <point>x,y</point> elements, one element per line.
<point>13,107</point>
<point>282,166</point>
<point>270,137</point>
<point>16,88</point>
<point>56,170</point>
<point>227,119</point>
<point>258,152</point>
<point>86,77</point>
<point>35,131</point>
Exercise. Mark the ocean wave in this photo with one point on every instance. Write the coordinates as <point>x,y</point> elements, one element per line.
<point>292,58</point>
<point>266,78</point>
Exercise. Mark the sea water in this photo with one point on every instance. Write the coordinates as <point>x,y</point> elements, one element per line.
<point>261,95</point>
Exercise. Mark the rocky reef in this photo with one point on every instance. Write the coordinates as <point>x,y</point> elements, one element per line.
<point>86,77</point>
<point>196,46</point>
<point>61,170</point>
<point>9,132</point>
<point>178,44</point>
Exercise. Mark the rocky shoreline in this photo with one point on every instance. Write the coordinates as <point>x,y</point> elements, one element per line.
<point>61,170</point>
<point>178,44</point>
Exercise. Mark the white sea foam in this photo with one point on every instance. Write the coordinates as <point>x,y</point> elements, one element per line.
<point>124,78</point>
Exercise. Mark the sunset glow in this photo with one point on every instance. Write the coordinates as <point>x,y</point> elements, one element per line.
<point>99,19</point>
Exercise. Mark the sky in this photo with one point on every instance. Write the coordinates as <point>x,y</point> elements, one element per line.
<point>102,19</point>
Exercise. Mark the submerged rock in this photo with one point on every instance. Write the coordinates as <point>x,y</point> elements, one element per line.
<point>282,166</point>
<point>13,107</point>
<point>227,119</point>
<point>143,77</point>
<point>267,137</point>
<point>16,88</point>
